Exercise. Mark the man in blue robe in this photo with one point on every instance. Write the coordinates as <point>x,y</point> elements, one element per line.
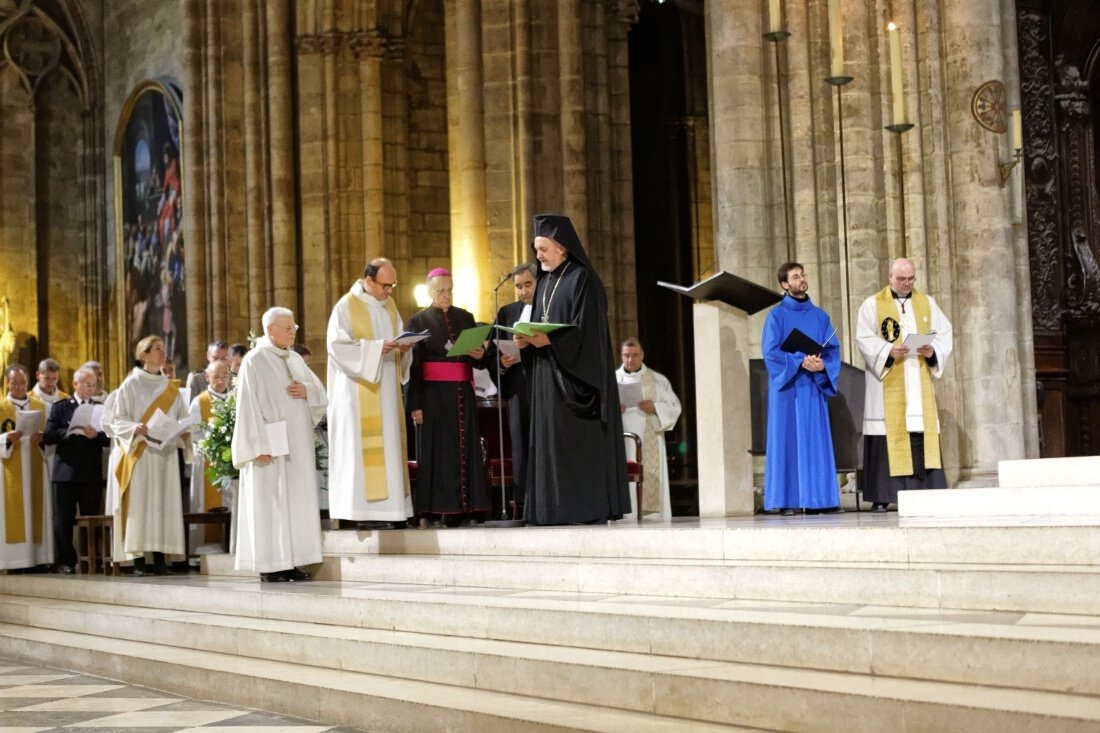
<point>799,470</point>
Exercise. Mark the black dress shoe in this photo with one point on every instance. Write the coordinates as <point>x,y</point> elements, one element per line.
<point>296,575</point>
<point>786,512</point>
<point>878,508</point>
<point>278,577</point>
<point>833,510</point>
<point>65,569</point>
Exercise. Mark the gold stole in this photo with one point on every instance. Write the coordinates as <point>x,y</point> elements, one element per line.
<point>370,403</point>
<point>211,497</point>
<point>15,525</point>
<point>651,450</point>
<point>893,394</point>
<point>124,471</point>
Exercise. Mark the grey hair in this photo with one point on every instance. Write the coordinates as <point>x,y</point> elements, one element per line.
<point>91,365</point>
<point>48,365</point>
<point>527,267</point>
<point>272,313</point>
<point>83,371</point>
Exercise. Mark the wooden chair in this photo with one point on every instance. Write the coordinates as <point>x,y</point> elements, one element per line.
<point>216,518</point>
<point>635,472</point>
<point>94,539</point>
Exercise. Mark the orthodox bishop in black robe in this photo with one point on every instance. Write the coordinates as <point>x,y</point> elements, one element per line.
<point>450,474</point>
<point>576,463</point>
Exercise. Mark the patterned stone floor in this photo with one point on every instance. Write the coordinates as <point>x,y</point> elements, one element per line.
<point>37,699</point>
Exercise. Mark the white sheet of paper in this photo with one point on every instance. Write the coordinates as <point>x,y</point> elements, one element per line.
<point>507,347</point>
<point>630,393</point>
<point>916,340</point>
<point>277,439</point>
<point>411,338</point>
<point>86,415</point>
<point>163,429</point>
<point>483,383</point>
<point>28,422</point>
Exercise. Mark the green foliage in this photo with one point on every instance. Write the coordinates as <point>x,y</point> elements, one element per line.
<point>216,447</point>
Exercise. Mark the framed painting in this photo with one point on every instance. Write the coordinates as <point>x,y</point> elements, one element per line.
<point>150,240</point>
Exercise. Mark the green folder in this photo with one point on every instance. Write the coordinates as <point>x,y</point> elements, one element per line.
<point>469,339</point>
<point>527,329</point>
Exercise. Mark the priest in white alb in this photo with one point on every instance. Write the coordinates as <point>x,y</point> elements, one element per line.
<point>279,402</point>
<point>368,470</point>
<point>650,418</point>
<point>143,479</point>
<point>26,510</point>
<point>205,494</point>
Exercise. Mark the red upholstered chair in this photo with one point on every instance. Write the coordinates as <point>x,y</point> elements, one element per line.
<point>635,472</point>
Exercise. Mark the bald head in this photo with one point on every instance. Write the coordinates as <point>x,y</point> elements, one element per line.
<point>379,278</point>
<point>902,275</point>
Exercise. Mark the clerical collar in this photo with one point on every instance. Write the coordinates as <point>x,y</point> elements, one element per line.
<point>800,299</point>
<point>901,300</point>
<point>144,374</point>
<point>217,395</point>
<point>639,370</point>
<point>19,402</point>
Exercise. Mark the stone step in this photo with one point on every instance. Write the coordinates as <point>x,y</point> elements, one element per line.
<point>1049,472</point>
<point>692,697</point>
<point>1071,589</point>
<point>821,538</point>
<point>516,643</point>
<point>338,697</point>
<point>1082,502</point>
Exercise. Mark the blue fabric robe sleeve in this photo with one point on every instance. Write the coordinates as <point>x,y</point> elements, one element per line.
<point>826,381</point>
<point>782,367</point>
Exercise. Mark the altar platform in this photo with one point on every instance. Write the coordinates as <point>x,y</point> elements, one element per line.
<point>851,622</point>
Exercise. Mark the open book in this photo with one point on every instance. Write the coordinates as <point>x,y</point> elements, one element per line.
<point>86,415</point>
<point>163,429</point>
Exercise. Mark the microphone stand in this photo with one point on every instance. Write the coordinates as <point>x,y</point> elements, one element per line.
<point>504,521</point>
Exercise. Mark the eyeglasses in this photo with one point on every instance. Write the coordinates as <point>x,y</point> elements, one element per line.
<point>386,286</point>
<point>292,328</point>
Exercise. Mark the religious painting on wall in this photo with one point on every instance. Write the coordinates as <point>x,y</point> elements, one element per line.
<point>149,218</point>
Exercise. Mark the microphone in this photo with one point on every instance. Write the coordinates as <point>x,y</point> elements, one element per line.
<point>500,284</point>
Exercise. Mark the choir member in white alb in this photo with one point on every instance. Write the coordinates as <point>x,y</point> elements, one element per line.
<point>368,473</point>
<point>279,401</point>
<point>650,419</point>
<point>26,516</point>
<point>451,486</point>
<point>576,464</point>
<point>143,479</point>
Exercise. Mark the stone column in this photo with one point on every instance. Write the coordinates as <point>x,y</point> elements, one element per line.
<point>280,106</point>
<point>988,336</point>
<point>466,155</point>
<point>721,393</point>
<point>194,164</point>
<point>574,163</point>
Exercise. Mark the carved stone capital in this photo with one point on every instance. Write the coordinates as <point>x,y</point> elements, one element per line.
<point>367,44</point>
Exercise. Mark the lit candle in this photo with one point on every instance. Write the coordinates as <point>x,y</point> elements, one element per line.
<point>775,18</point>
<point>836,39</point>
<point>896,90</point>
<point>1017,130</point>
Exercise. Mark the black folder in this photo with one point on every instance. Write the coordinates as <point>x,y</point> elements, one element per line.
<point>798,342</point>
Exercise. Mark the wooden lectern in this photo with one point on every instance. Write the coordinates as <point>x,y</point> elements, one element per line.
<point>723,304</point>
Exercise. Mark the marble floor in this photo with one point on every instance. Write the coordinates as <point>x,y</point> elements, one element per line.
<point>38,699</point>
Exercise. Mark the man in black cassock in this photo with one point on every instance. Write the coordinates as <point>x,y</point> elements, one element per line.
<point>576,463</point>
<point>451,485</point>
<point>512,381</point>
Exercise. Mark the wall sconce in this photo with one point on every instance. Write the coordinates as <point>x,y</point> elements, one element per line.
<point>1017,146</point>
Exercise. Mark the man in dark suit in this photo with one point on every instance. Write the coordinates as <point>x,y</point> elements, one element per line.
<point>512,381</point>
<point>77,476</point>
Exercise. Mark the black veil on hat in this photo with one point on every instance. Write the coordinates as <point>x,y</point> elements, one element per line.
<point>560,229</point>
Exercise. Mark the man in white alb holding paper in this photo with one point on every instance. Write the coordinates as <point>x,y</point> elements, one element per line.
<point>901,430</point>
<point>368,474</point>
<point>279,402</point>
<point>650,416</point>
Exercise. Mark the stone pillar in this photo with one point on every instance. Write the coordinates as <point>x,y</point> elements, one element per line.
<point>280,105</point>
<point>194,161</point>
<point>722,395</point>
<point>988,336</point>
<point>737,100</point>
<point>466,155</point>
<point>574,162</point>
